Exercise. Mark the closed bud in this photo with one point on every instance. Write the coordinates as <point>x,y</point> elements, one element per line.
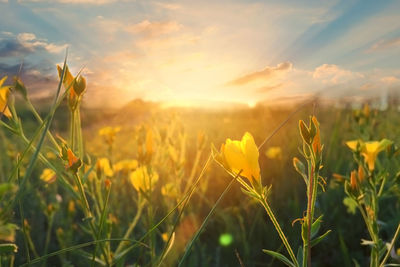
<point>361,174</point>
<point>353,180</point>
<point>305,133</point>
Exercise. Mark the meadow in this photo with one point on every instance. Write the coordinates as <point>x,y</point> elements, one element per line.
<point>144,185</point>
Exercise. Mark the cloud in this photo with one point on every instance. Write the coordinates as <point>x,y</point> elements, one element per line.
<point>154,28</point>
<point>169,6</point>
<point>333,74</point>
<point>92,2</point>
<point>41,79</point>
<point>267,72</point>
<point>390,80</point>
<point>26,43</point>
<point>268,88</point>
<point>385,44</point>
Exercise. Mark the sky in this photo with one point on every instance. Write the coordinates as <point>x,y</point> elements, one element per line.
<point>196,52</point>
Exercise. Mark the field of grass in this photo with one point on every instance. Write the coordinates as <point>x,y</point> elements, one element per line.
<point>149,186</point>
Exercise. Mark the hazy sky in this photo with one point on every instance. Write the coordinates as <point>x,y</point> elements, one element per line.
<point>183,51</point>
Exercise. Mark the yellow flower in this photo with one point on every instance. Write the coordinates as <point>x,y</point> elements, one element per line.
<point>242,156</point>
<point>4,92</point>
<point>76,85</point>
<point>170,190</point>
<point>274,152</point>
<point>74,163</point>
<point>109,133</point>
<point>48,176</point>
<point>71,207</point>
<point>125,165</point>
<point>369,150</point>
<point>103,166</point>
<point>353,144</point>
<point>142,180</point>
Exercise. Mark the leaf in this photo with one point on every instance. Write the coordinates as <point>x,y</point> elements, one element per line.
<point>305,133</point>
<point>351,205</point>
<point>250,194</point>
<point>315,226</point>
<point>300,168</point>
<point>299,256</point>
<point>304,231</point>
<point>279,257</point>
<point>8,248</point>
<point>7,231</point>
<point>319,239</point>
<point>6,187</point>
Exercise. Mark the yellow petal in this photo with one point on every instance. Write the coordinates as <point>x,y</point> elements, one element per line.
<point>142,180</point>
<point>48,176</point>
<point>353,144</point>
<point>235,158</point>
<point>242,156</point>
<point>4,92</point>
<point>103,165</point>
<point>251,154</point>
<point>372,147</point>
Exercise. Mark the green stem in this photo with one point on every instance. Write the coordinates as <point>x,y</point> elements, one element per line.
<point>48,236</point>
<point>396,235</point>
<point>40,120</point>
<point>285,242</point>
<point>88,214</point>
<point>102,219</point>
<point>135,220</point>
<point>72,130</point>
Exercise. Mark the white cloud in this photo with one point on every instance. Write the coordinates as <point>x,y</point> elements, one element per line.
<point>385,44</point>
<point>91,2</point>
<point>169,6</point>
<point>31,42</point>
<point>154,28</point>
<point>333,74</point>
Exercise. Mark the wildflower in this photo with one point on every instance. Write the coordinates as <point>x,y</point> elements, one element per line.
<point>76,85</point>
<point>48,176</point>
<point>142,180</point>
<point>145,143</point>
<point>109,133</point>
<point>274,152</point>
<point>125,165</point>
<point>242,156</point>
<point>4,93</point>
<point>369,150</point>
<point>164,237</point>
<point>170,190</point>
<point>71,207</point>
<point>103,167</point>
<point>73,162</point>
